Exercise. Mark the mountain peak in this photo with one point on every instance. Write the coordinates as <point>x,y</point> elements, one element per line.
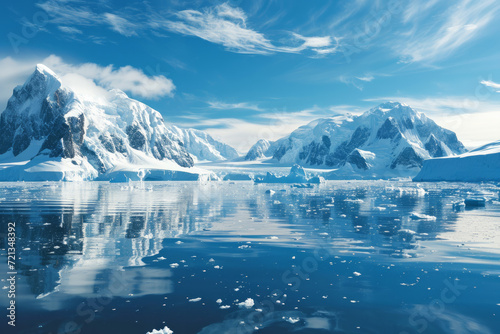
<point>41,68</point>
<point>43,80</point>
<point>391,105</point>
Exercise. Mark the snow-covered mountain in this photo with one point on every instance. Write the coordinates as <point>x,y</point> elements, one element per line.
<point>480,164</point>
<point>389,140</point>
<point>49,132</point>
<point>260,150</point>
<point>202,146</point>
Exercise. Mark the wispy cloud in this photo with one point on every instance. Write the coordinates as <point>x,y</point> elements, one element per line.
<point>226,25</point>
<point>432,38</point>
<point>221,24</point>
<point>121,25</point>
<point>70,30</point>
<point>229,106</point>
<point>491,84</point>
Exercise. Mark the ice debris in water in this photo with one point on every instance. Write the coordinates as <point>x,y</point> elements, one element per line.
<point>174,265</point>
<point>165,330</point>
<point>292,320</point>
<point>195,300</point>
<point>421,216</point>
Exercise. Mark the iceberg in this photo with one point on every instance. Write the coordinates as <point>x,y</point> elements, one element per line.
<point>480,164</point>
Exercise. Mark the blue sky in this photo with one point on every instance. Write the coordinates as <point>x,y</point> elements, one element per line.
<point>244,70</point>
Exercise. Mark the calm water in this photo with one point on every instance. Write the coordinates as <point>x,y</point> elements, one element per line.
<point>344,257</point>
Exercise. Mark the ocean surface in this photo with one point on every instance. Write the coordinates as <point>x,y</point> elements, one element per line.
<point>234,257</point>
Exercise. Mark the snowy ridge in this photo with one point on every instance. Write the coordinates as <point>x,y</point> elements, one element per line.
<point>389,140</point>
<point>480,164</point>
<point>49,132</point>
<point>261,149</point>
<point>202,146</point>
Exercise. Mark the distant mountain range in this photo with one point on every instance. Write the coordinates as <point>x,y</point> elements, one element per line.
<point>389,140</point>
<point>49,132</point>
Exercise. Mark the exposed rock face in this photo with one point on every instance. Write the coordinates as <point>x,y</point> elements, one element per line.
<point>45,118</point>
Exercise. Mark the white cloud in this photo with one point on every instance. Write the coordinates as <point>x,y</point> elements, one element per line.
<point>121,25</point>
<point>80,77</point>
<point>220,24</point>
<point>70,30</point>
<point>491,84</point>
<point>436,36</point>
<point>228,106</point>
<point>227,26</point>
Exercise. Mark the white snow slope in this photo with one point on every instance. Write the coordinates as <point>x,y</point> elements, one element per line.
<point>480,164</point>
<point>202,146</point>
<point>390,140</point>
<point>49,132</point>
<point>259,150</point>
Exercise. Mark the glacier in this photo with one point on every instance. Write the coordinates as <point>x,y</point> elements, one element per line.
<point>480,164</point>
<point>50,132</point>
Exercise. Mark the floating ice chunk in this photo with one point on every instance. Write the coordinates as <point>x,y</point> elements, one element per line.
<point>379,208</point>
<point>248,303</point>
<point>293,320</point>
<point>270,192</point>
<point>356,200</point>
<point>174,265</point>
<point>356,273</point>
<point>219,301</point>
<point>421,216</point>
<point>195,300</point>
<point>165,330</point>
<point>273,237</point>
<point>223,307</point>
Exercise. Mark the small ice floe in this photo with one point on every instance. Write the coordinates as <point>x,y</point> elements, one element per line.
<point>178,242</point>
<point>458,205</point>
<point>270,192</point>
<point>244,246</point>
<point>217,267</point>
<point>248,303</point>
<point>421,216</point>
<point>379,208</point>
<point>161,258</point>
<point>174,265</point>
<point>195,300</point>
<point>273,237</point>
<point>292,320</point>
<point>356,273</point>
<point>355,200</point>
<point>223,307</point>
<point>219,301</point>
<point>475,201</point>
<point>165,330</point>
